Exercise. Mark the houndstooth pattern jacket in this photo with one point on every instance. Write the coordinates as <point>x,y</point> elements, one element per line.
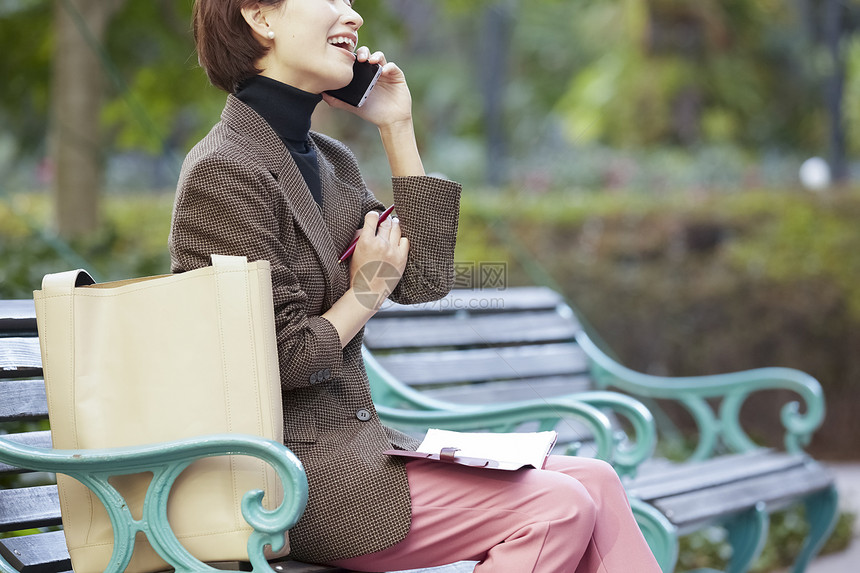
<point>241,193</point>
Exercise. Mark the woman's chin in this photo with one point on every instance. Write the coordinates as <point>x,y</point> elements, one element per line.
<point>341,82</point>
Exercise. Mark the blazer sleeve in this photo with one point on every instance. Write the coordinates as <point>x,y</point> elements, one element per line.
<point>227,207</point>
<point>428,209</point>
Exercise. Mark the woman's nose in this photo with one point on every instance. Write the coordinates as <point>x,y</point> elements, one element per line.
<point>351,17</point>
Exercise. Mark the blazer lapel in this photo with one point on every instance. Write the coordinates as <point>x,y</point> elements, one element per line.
<point>281,165</point>
<point>310,218</point>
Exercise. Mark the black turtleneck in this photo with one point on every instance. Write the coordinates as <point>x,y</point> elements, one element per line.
<point>288,110</point>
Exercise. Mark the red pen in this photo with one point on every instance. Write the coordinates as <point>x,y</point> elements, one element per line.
<point>348,252</point>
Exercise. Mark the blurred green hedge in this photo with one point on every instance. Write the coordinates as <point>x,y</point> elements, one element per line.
<point>674,284</point>
<point>131,242</point>
<point>699,283</point>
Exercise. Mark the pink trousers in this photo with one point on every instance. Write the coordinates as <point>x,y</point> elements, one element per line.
<point>572,516</point>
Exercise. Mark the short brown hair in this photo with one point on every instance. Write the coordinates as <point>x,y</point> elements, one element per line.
<point>226,46</point>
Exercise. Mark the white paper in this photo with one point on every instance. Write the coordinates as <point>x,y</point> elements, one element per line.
<point>511,450</point>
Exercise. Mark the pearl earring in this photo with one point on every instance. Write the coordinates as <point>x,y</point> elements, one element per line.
<point>270,35</point>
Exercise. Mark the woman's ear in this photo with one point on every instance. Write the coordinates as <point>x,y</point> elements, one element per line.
<point>255,16</point>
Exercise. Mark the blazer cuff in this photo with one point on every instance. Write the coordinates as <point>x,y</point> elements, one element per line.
<point>429,211</point>
<point>326,354</point>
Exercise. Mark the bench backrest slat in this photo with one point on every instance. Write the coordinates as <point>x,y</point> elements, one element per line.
<point>23,400</point>
<point>481,301</point>
<point>20,357</point>
<point>468,330</point>
<point>486,364</point>
<point>27,507</point>
<point>510,391</point>
<point>17,318</point>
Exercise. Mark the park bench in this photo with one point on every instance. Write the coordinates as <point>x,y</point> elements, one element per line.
<point>31,502</point>
<point>477,348</point>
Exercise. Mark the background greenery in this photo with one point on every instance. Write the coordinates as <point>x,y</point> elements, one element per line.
<point>674,286</point>
<point>505,87</point>
<point>640,156</point>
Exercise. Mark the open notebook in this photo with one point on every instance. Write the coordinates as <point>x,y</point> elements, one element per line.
<point>505,451</point>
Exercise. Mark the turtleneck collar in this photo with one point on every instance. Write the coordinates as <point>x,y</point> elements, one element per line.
<point>287,109</point>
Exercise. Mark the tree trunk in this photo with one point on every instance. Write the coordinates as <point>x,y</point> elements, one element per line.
<point>835,89</point>
<point>494,54</point>
<point>77,86</point>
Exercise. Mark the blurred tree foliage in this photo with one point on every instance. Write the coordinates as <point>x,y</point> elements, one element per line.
<point>724,71</point>
<point>159,97</point>
<point>621,72</point>
<point>689,284</point>
<point>25,68</point>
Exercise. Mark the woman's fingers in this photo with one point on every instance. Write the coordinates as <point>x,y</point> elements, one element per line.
<point>387,232</point>
<point>371,221</point>
<point>403,247</point>
<point>379,243</point>
<point>395,232</point>
<point>363,54</point>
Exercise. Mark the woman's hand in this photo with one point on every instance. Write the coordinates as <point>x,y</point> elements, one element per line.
<point>378,261</point>
<point>389,103</point>
<point>389,107</point>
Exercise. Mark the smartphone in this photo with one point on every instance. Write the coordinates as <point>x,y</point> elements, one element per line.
<point>364,76</point>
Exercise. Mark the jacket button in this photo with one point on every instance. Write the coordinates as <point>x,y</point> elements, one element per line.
<point>313,378</point>
<point>326,374</point>
<point>363,415</point>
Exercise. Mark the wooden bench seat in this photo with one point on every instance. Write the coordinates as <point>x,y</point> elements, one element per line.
<point>485,347</point>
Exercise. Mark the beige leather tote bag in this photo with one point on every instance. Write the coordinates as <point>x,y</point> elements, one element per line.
<point>156,359</point>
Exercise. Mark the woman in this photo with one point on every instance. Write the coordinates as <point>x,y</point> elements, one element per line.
<point>260,184</point>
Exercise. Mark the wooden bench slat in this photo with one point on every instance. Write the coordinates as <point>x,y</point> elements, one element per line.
<point>654,469</point>
<point>689,509</point>
<point>38,553</point>
<point>23,400</point>
<point>17,318</point>
<point>682,478</point>
<point>511,391</point>
<point>485,364</point>
<point>20,357</point>
<point>41,439</point>
<point>469,330</point>
<point>28,507</point>
<point>47,553</point>
<point>480,301</point>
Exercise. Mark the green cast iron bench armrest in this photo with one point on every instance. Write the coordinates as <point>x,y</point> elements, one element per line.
<point>506,418</point>
<point>166,461</point>
<point>734,388</point>
<point>629,453</point>
<point>400,406</point>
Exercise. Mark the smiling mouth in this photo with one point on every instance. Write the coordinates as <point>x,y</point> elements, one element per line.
<point>343,42</point>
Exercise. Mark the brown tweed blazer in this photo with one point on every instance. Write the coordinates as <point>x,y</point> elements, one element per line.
<point>241,193</point>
